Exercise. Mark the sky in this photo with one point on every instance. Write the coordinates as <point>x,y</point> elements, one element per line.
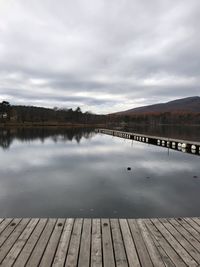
<point>101,55</point>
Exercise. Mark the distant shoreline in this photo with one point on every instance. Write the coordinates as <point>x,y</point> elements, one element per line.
<point>94,125</point>
<point>53,124</point>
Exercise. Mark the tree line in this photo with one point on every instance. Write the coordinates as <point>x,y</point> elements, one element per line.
<point>27,134</point>
<point>32,114</point>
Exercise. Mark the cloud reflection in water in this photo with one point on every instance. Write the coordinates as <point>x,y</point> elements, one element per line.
<point>90,179</point>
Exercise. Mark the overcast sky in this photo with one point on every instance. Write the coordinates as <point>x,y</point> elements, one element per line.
<point>101,55</point>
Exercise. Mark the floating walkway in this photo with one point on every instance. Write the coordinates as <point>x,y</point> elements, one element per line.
<point>176,144</point>
<point>100,242</point>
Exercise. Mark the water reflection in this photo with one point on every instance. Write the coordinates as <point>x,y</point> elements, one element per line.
<point>90,179</point>
<point>184,132</point>
<point>179,145</point>
<point>7,135</point>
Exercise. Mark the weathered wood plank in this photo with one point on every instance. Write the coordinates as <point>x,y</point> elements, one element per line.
<point>7,228</point>
<point>72,256</point>
<point>193,224</point>
<point>100,242</point>
<point>37,253</point>
<point>12,238</point>
<point>4,224</point>
<point>108,256</point>
<point>150,245</point>
<point>180,238</point>
<point>166,260</point>
<point>175,244</point>
<point>187,235</point>
<point>189,228</point>
<point>96,249</point>
<point>129,244</point>
<point>196,220</point>
<point>176,259</point>
<point>63,245</point>
<point>30,244</point>
<point>118,244</point>
<point>50,250</point>
<point>84,256</point>
<point>139,243</point>
<point>19,244</point>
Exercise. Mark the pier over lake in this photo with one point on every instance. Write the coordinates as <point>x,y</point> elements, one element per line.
<point>82,173</point>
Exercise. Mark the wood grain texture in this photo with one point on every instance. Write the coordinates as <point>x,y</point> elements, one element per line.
<point>100,242</point>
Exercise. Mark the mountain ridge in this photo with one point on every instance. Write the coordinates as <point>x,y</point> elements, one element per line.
<point>187,104</point>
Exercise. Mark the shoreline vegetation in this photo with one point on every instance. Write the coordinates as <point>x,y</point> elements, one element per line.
<point>50,124</point>
<point>31,116</point>
<point>88,125</point>
<point>12,115</point>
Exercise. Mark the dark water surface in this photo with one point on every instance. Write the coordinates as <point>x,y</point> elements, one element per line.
<point>78,173</point>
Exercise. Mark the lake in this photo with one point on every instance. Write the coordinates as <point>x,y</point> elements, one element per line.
<point>80,173</point>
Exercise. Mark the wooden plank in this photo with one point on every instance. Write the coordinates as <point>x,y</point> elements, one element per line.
<point>150,245</point>
<point>8,228</point>
<point>4,224</point>
<point>164,244</point>
<point>166,260</point>
<point>118,244</point>
<point>12,238</point>
<point>63,245</point>
<point>96,249</point>
<point>185,233</point>
<point>108,256</point>
<point>175,244</point>
<point>84,256</point>
<point>129,244</point>
<point>50,250</point>
<point>37,253</point>
<point>72,256</point>
<point>189,228</point>
<point>100,242</point>
<point>139,243</point>
<point>30,244</point>
<point>180,238</point>
<point>193,224</point>
<point>196,220</point>
<point>17,247</point>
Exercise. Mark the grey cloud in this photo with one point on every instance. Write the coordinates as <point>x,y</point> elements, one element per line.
<point>105,55</point>
<point>51,99</point>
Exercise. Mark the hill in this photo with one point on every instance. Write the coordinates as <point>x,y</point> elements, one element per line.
<point>185,105</point>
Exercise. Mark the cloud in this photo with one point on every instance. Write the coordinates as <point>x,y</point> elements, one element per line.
<point>101,55</point>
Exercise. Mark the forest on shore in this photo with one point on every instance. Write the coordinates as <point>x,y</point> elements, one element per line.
<point>22,115</point>
<point>13,114</point>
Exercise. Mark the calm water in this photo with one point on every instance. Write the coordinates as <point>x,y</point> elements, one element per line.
<point>78,173</point>
<point>179,132</point>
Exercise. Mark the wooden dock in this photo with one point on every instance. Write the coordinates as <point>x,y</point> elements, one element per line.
<point>100,242</point>
<point>185,146</point>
